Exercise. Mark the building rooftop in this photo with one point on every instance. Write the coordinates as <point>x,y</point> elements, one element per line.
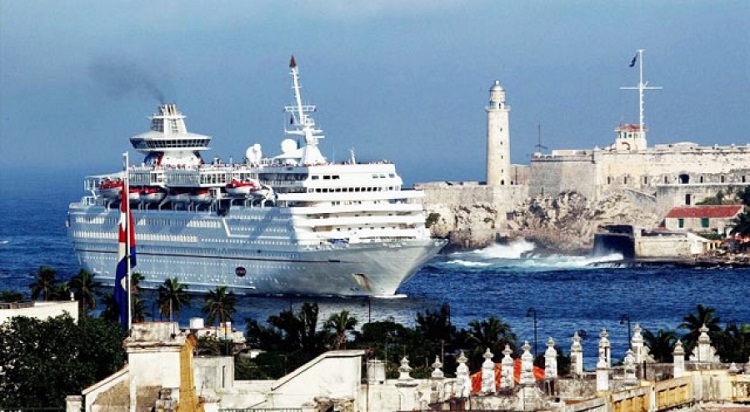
<point>686,212</point>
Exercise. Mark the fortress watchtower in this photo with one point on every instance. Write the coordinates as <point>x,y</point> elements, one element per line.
<point>498,137</point>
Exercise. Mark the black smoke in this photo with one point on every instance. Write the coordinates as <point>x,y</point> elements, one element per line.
<point>121,78</point>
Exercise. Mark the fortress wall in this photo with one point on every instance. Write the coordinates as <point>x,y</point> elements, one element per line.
<point>457,194</point>
<point>598,172</point>
<point>552,175</point>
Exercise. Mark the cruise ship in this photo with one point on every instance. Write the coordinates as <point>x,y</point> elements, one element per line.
<point>291,224</point>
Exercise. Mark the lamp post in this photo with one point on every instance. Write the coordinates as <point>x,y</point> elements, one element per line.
<point>623,319</point>
<point>529,313</point>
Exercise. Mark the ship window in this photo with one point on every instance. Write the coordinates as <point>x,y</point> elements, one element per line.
<point>315,177</point>
<point>326,177</point>
<point>391,175</point>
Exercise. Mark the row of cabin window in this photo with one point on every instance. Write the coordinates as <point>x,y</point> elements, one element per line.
<point>350,189</point>
<point>684,179</point>
<point>334,177</point>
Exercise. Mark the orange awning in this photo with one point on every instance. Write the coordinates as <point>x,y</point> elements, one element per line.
<point>476,378</point>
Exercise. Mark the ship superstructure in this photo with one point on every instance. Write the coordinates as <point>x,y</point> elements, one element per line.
<point>289,224</point>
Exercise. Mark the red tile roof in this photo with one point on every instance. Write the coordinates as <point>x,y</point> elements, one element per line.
<point>722,212</point>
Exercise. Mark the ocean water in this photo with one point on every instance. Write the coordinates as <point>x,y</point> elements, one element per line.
<point>567,293</point>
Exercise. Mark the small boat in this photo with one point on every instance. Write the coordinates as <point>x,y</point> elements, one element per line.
<point>152,194</point>
<point>134,194</point>
<point>111,189</point>
<point>179,195</point>
<point>241,188</point>
<point>201,196</point>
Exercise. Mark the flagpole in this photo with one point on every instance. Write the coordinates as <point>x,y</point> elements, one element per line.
<point>126,198</point>
<point>641,87</point>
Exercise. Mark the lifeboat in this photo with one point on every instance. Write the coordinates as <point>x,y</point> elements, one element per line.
<point>241,188</point>
<point>152,194</point>
<point>111,189</point>
<point>201,196</point>
<point>179,195</point>
<point>134,194</point>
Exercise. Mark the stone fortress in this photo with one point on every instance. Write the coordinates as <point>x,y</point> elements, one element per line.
<point>561,198</point>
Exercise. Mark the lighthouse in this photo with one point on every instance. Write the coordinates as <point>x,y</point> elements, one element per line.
<point>498,137</point>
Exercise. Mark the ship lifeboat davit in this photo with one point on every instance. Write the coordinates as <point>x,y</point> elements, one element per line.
<point>111,189</point>
<point>241,188</point>
<point>152,194</point>
<point>201,196</point>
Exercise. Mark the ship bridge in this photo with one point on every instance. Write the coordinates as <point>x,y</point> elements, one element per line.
<point>168,143</point>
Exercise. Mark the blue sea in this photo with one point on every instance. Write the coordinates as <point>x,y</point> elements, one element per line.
<point>566,292</point>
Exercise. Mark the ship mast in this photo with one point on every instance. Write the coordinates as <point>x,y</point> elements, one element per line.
<point>304,124</point>
<point>641,87</point>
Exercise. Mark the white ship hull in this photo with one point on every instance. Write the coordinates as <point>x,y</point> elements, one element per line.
<point>209,251</point>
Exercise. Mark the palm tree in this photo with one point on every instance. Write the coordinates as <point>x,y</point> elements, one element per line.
<point>219,303</point>
<point>135,283</point>
<point>741,224</point>
<point>44,284</point>
<point>492,334</point>
<point>661,345</point>
<point>436,328</point>
<point>84,288</point>
<point>172,298</point>
<point>338,324</point>
<point>694,322</point>
<point>733,344</point>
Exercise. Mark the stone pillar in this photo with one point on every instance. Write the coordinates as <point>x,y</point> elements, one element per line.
<point>375,372</point>
<point>636,344</point>
<point>629,366</point>
<point>527,366</point>
<point>73,403</point>
<point>602,375</point>
<point>605,349</point>
<point>576,355</point>
<point>704,352</point>
<point>404,369</point>
<point>506,370</point>
<point>679,360</point>
<point>463,382</point>
<point>550,360</point>
<point>488,373</point>
<point>407,387</point>
<point>437,377</point>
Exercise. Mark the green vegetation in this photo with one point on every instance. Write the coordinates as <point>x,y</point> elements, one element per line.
<point>432,218</point>
<point>43,361</point>
<point>742,222</point>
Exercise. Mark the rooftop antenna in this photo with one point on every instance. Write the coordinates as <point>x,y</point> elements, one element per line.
<point>641,87</point>
<point>539,145</point>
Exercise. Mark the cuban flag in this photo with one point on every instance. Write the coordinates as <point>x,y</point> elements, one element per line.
<point>121,277</point>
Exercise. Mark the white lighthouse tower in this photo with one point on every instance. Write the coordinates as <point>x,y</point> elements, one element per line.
<point>498,138</point>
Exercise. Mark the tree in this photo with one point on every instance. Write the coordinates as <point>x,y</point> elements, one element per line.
<point>338,326</point>
<point>661,344</point>
<point>44,284</point>
<point>43,361</point>
<point>219,303</point>
<point>436,328</point>
<point>694,322</point>
<point>173,296</point>
<point>733,344</point>
<point>492,334</point>
<point>741,224</point>
<point>10,296</point>
<point>84,289</point>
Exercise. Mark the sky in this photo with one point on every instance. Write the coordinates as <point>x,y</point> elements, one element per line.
<point>405,81</point>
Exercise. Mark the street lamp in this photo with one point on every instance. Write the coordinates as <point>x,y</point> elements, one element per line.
<point>529,313</point>
<point>623,319</point>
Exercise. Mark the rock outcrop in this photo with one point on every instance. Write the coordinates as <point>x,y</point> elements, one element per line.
<point>563,223</point>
